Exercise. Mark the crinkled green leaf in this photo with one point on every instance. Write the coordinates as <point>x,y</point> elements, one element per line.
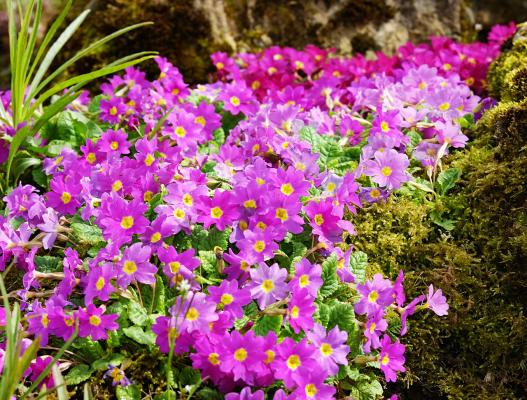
<point>130,392</point>
<point>358,264</point>
<point>447,179</point>
<point>329,276</point>
<point>140,336</point>
<point>267,324</point>
<point>48,264</point>
<point>137,313</point>
<point>78,374</point>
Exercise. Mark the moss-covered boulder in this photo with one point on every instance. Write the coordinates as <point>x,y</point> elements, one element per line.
<point>479,350</point>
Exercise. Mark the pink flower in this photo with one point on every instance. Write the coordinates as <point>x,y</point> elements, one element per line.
<point>93,322</point>
<point>436,301</point>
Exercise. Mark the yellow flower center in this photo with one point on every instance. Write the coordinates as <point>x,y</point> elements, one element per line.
<point>148,195</point>
<point>304,280</point>
<point>179,213</point>
<point>214,358</point>
<point>311,390</point>
<point>114,145</point>
<point>270,356</point>
<point>255,85</point>
<point>188,200</point>
<point>95,320</point>
<point>319,219</point>
<point>447,67</point>
<point>243,225</point>
<point>117,185</point>
<point>299,64</point>
<point>192,314</point>
<point>293,362</point>
<point>44,320</point>
<point>200,120</point>
<point>372,327</point>
<point>174,267</point>
<point>180,131</point>
<point>235,101</point>
<point>385,360</point>
<point>220,65</point>
<point>262,225</point>
<point>216,212</point>
<point>384,126</point>
<point>386,171</point>
<point>287,189</point>
<point>295,311</point>
<point>281,214</point>
<point>331,186</point>
<point>100,283</point>
<point>259,246</point>
<point>422,85</point>
<point>267,285</point>
<point>260,181</point>
<point>69,321</point>
<point>127,222</point>
<point>156,237</point>
<point>91,158</point>
<point>373,296</point>
<point>226,299</point>
<point>326,349</point>
<point>375,193</point>
<point>65,197</point>
<point>249,203</point>
<point>113,111</point>
<point>129,267</point>
<point>444,106</point>
<point>149,160</point>
<point>240,354</point>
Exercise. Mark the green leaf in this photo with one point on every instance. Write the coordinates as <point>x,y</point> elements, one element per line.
<point>89,349</point>
<point>267,324</point>
<point>437,219</point>
<point>136,333</point>
<point>365,389</point>
<point>88,234</point>
<point>189,376</point>
<point>160,295</point>
<point>209,394</point>
<point>20,165</point>
<point>415,137</point>
<point>209,239</point>
<point>130,392</point>
<point>78,374</point>
<point>322,315</point>
<point>358,264</point>
<point>114,359</point>
<point>137,313</point>
<point>48,264</point>
<point>329,276</point>
<point>343,315</point>
<point>447,179</point>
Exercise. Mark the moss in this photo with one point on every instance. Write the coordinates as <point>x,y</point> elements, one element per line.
<point>478,351</point>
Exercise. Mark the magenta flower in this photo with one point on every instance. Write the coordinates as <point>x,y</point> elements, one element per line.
<point>37,367</point>
<point>293,360</point>
<point>135,266</point>
<point>99,283</point>
<point>114,142</point>
<point>246,394</point>
<point>242,356</point>
<point>208,360</point>
<point>388,168</point>
<point>221,210</point>
<point>436,301</point>
<point>178,266</point>
<point>332,348</point>
<point>375,294</point>
<point>63,196</point>
<point>38,322</point>
<point>61,323</point>
<point>196,312</point>
<point>117,376</point>
<point>121,219</point>
<point>230,298</point>
<point>409,310</point>
<point>257,245</point>
<point>50,227</point>
<point>300,310</point>
<point>93,322</point>
<point>166,330</point>
<point>268,284</point>
<point>311,386</point>
<point>112,110</point>
<point>391,358</point>
<point>375,326</point>
<point>307,276</point>
<point>237,98</point>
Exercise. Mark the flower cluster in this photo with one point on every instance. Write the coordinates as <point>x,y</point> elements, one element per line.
<point>239,196</point>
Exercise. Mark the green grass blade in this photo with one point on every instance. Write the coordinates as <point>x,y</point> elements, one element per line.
<point>28,53</point>
<point>82,53</point>
<point>48,38</point>
<point>54,50</point>
<point>83,80</point>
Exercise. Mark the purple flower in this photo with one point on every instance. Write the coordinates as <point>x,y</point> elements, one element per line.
<point>293,360</point>
<point>64,193</point>
<point>195,311</point>
<point>117,375</point>
<point>178,266</point>
<point>243,356</point>
<point>268,284</point>
<point>409,310</point>
<point>391,358</point>
<point>332,347</point>
<point>311,386</point>
<point>114,142</point>
<point>375,294</point>
<point>258,245</point>
<point>307,276</point>
<point>436,301</point>
<point>230,298</point>
<point>99,283</point>
<point>135,266</point>
<point>375,326</point>
<point>221,210</point>
<point>50,227</point>
<point>246,394</point>
<point>93,322</point>
<point>300,310</point>
<point>388,168</point>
